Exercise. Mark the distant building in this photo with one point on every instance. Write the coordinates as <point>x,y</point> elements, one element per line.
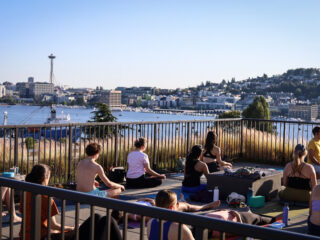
<point>39,88</point>
<point>23,89</point>
<point>2,91</point>
<point>305,112</point>
<point>112,98</point>
<point>30,79</point>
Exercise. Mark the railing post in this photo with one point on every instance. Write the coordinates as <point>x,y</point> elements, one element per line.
<point>116,145</point>
<point>241,138</point>
<point>188,137</point>
<point>70,154</point>
<point>36,216</point>
<point>155,128</point>
<point>16,147</point>
<point>284,142</point>
<point>201,234</point>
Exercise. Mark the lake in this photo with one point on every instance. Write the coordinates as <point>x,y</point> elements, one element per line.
<point>23,114</point>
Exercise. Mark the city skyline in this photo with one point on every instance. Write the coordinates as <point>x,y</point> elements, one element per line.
<point>167,44</point>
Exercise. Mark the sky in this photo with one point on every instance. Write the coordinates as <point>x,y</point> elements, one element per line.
<point>157,43</point>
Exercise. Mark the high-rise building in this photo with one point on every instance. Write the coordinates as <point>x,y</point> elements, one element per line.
<point>30,79</point>
<point>112,98</point>
<point>38,88</point>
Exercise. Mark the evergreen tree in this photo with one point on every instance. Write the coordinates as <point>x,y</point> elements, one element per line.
<point>102,114</point>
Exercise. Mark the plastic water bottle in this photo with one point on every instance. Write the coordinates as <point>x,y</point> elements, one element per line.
<point>285,214</point>
<point>249,195</point>
<point>216,194</point>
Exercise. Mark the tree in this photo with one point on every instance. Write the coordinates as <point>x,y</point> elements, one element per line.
<point>230,114</point>
<point>102,114</point>
<point>258,109</point>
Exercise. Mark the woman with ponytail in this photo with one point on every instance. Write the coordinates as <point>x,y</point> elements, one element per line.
<point>299,178</point>
<point>139,165</point>
<point>193,170</point>
<point>212,154</point>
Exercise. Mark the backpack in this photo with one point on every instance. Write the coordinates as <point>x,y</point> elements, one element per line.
<point>117,174</point>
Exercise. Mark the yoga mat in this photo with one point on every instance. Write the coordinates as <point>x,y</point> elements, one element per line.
<point>274,209</point>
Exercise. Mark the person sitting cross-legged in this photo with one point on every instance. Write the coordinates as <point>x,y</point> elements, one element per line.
<point>40,174</point>
<point>139,167</point>
<point>299,178</point>
<point>87,171</point>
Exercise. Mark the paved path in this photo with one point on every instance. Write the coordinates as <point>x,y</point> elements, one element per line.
<point>173,182</point>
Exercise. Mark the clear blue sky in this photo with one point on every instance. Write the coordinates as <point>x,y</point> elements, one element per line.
<point>161,43</point>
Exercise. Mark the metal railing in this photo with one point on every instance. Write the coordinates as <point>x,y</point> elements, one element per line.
<point>201,224</point>
<point>62,146</point>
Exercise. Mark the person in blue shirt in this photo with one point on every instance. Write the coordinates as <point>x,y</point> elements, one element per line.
<point>167,199</point>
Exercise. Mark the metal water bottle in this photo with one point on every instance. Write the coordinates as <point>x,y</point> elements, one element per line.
<point>216,194</point>
<point>285,214</point>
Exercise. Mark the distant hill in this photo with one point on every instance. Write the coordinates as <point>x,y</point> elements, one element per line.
<point>304,83</point>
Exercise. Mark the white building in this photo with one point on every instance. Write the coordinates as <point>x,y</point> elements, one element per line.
<point>2,91</point>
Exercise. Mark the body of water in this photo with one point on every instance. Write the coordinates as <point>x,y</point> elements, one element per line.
<point>22,114</point>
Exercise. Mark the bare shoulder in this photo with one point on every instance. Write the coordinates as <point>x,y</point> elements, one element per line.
<point>308,166</point>
<point>216,149</point>
<point>288,166</point>
<point>200,164</point>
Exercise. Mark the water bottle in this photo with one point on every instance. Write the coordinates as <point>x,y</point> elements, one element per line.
<point>249,195</point>
<point>285,214</point>
<point>216,194</point>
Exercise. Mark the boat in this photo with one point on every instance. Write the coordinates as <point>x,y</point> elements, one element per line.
<point>54,119</point>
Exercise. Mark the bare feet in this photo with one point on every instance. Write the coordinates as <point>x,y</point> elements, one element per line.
<point>17,219</point>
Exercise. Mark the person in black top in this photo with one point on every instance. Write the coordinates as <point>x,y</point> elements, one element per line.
<point>212,154</point>
<point>299,178</point>
<point>194,168</point>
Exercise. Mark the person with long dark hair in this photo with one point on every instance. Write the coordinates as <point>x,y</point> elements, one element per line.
<point>40,174</point>
<point>193,170</point>
<point>299,178</point>
<point>139,165</point>
<point>212,154</point>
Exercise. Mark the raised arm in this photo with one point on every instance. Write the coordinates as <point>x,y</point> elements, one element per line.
<point>106,180</point>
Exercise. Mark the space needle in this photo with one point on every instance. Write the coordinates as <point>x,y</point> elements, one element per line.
<point>51,57</point>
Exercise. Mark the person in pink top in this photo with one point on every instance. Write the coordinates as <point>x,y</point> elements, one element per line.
<point>139,166</point>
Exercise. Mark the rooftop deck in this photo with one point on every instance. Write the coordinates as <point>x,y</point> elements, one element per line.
<point>297,222</point>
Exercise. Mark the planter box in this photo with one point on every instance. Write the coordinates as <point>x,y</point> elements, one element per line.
<point>267,186</point>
